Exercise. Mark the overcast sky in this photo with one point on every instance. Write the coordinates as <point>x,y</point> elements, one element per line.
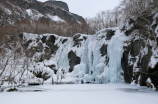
<point>89,8</point>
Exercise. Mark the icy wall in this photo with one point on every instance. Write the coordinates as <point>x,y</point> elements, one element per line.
<point>82,58</point>
<point>126,53</point>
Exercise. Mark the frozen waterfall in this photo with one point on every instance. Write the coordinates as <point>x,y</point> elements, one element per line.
<point>112,71</point>
<point>115,51</point>
<point>94,67</point>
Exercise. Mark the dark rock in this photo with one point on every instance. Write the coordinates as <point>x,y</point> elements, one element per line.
<point>54,48</point>
<point>49,9</point>
<point>82,82</point>
<point>21,35</point>
<point>79,18</point>
<point>26,44</point>
<point>88,82</point>
<point>77,41</point>
<point>44,56</point>
<point>142,26</point>
<point>51,40</point>
<point>73,60</point>
<point>40,47</point>
<point>30,52</point>
<point>144,64</point>
<point>52,66</point>
<point>64,41</point>
<point>33,4</point>
<point>103,50</point>
<point>91,72</point>
<point>135,49</point>
<point>85,38</point>
<point>44,39</point>
<point>154,74</point>
<point>106,60</point>
<point>12,90</point>
<point>65,15</point>
<point>60,4</point>
<point>55,71</point>
<point>46,50</point>
<point>128,32</point>
<point>42,75</point>
<point>58,8</point>
<point>50,43</point>
<point>33,84</point>
<point>128,70</point>
<point>76,37</point>
<point>109,34</point>
<point>136,77</point>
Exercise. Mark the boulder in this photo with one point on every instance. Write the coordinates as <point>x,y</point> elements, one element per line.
<point>60,4</point>
<point>73,60</point>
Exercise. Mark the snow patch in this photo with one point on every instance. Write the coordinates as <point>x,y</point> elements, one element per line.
<point>33,14</point>
<point>55,18</point>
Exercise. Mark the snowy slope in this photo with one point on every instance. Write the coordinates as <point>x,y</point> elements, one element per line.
<point>14,11</point>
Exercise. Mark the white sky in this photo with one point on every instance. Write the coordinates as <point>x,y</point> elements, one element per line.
<point>89,8</point>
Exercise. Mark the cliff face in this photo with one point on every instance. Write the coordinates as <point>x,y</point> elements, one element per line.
<point>14,8</point>
<point>60,4</point>
<point>46,17</point>
<point>140,56</point>
<point>59,8</point>
<point>126,53</point>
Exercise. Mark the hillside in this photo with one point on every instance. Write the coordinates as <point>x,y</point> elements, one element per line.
<point>17,16</point>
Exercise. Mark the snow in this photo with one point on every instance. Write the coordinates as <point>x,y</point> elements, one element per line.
<point>93,67</point>
<point>55,18</point>
<point>82,94</point>
<point>30,36</point>
<point>154,57</point>
<point>76,69</point>
<point>128,26</point>
<point>149,80</point>
<point>33,14</point>
<point>153,62</point>
<point>5,9</point>
<point>156,31</point>
<point>69,79</point>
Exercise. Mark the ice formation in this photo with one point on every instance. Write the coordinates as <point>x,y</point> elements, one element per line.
<point>93,68</point>
<point>115,50</point>
<point>100,56</point>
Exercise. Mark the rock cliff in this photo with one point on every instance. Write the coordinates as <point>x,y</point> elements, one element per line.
<point>127,53</point>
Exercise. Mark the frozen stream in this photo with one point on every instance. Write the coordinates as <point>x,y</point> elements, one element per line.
<point>82,94</point>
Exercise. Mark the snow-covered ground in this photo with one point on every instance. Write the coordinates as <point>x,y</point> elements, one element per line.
<point>82,94</point>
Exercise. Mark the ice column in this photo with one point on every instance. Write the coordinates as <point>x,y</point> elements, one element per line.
<point>84,59</point>
<point>63,61</point>
<point>115,50</point>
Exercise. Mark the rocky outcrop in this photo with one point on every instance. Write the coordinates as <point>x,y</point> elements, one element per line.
<point>32,16</point>
<point>103,50</point>
<point>60,4</point>
<point>90,58</point>
<point>90,53</point>
<point>49,7</point>
<point>136,59</point>
<point>153,74</point>
<point>73,60</point>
